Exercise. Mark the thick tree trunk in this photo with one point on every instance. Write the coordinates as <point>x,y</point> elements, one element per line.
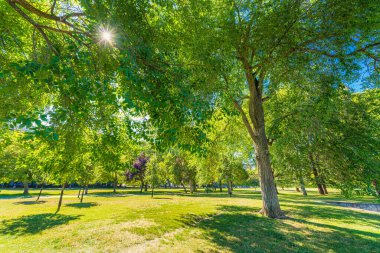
<point>271,204</point>
<point>220,186</point>
<point>26,187</point>
<point>39,194</point>
<point>256,130</point>
<point>184,187</point>
<point>61,197</point>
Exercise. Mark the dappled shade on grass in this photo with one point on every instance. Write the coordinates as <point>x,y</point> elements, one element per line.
<point>242,229</point>
<point>32,224</point>
<point>82,205</point>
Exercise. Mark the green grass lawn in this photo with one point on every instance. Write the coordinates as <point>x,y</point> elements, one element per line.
<point>177,222</point>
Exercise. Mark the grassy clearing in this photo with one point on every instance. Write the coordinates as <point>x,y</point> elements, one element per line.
<point>177,222</point>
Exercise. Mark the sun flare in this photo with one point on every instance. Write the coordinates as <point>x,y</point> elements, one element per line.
<point>106,35</point>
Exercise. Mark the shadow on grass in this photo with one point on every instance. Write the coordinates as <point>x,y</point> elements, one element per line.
<point>29,202</point>
<point>242,229</point>
<point>324,211</point>
<point>33,224</point>
<point>82,205</point>
<point>15,196</point>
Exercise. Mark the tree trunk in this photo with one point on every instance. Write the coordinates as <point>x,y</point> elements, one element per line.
<point>229,185</point>
<point>26,187</point>
<point>115,183</point>
<point>220,186</point>
<point>39,195</point>
<point>80,188</point>
<point>256,130</point>
<point>191,185</point>
<point>298,189</point>
<point>303,189</point>
<point>81,198</point>
<point>146,187</point>
<point>152,190</point>
<point>316,176</point>
<point>376,186</point>
<point>142,186</point>
<point>60,198</point>
<point>324,188</point>
<point>304,192</point>
<point>184,187</point>
<point>86,189</point>
<point>271,204</point>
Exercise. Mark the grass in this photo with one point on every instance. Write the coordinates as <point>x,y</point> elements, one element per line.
<point>175,222</point>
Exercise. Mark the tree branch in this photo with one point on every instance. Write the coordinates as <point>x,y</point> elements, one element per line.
<point>30,20</point>
<point>245,120</point>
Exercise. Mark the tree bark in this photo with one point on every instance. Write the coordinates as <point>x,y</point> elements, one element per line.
<point>229,185</point>
<point>303,189</point>
<point>191,185</point>
<point>298,189</point>
<point>81,198</point>
<point>86,189</point>
<point>145,187</point>
<point>316,175</point>
<point>220,186</point>
<point>142,186</point>
<point>26,187</point>
<point>376,186</point>
<point>80,188</point>
<point>39,195</point>
<point>324,188</point>
<point>115,183</point>
<point>256,130</point>
<point>60,198</point>
<point>184,187</point>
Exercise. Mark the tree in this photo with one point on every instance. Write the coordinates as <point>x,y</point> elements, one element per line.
<point>335,145</point>
<point>137,173</point>
<point>268,43</point>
